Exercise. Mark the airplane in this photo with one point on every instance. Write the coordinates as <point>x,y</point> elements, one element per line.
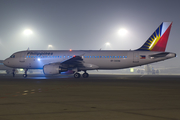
<point>7,69</point>
<point>55,62</point>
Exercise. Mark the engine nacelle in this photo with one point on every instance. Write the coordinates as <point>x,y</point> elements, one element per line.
<point>53,69</point>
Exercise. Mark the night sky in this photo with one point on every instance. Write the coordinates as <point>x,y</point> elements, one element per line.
<point>85,24</point>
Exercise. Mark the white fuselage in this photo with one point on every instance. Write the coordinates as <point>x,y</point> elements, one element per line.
<point>92,59</point>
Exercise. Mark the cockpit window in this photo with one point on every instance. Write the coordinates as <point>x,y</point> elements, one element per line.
<point>12,56</point>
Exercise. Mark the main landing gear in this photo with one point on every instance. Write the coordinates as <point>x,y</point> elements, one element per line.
<point>78,75</point>
<point>25,73</point>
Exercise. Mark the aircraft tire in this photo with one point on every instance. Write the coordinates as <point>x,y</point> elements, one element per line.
<point>77,75</point>
<point>85,75</point>
<point>24,75</point>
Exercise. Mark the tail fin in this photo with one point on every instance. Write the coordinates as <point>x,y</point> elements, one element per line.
<point>158,40</point>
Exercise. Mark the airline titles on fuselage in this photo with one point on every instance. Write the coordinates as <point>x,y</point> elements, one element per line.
<point>39,53</point>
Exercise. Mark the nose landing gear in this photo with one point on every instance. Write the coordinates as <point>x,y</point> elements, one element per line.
<point>25,73</point>
<point>13,72</point>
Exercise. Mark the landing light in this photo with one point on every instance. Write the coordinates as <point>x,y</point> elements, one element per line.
<point>39,59</point>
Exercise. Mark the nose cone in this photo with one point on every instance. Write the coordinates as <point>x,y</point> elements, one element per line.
<point>6,62</point>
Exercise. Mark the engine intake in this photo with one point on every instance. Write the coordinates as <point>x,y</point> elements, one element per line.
<point>53,69</point>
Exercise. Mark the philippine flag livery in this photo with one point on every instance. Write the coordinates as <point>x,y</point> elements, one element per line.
<point>142,57</point>
<point>158,40</point>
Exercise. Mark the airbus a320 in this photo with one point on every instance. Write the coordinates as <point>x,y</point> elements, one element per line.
<point>73,61</point>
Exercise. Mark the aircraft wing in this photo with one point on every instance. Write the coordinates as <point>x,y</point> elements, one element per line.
<point>77,62</point>
<point>73,60</point>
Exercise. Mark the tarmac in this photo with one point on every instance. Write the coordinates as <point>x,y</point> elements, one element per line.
<point>99,97</point>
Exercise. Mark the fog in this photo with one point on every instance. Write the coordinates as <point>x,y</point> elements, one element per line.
<point>85,24</point>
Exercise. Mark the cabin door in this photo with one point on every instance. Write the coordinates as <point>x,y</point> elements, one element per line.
<point>22,57</point>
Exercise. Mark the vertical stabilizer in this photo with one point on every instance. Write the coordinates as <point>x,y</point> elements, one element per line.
<point>158,40</point>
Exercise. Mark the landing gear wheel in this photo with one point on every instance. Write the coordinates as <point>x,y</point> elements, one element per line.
<point>85,75</point>
<point>77,75</point>
<point>24,75</point>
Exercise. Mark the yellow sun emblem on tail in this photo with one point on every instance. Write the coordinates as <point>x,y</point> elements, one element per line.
<point>153,40</point>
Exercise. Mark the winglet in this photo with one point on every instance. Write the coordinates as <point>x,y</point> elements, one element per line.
<point>158,40</point>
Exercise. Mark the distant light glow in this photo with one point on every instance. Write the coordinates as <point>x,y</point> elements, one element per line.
<point>28,32</point>
<point>107,43</point>
<point>50,46</point>
<point>74,56</point>
<point>122,32</point>
<point>70,50</point>
<point>39,59</point>
<point>131,69</point>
